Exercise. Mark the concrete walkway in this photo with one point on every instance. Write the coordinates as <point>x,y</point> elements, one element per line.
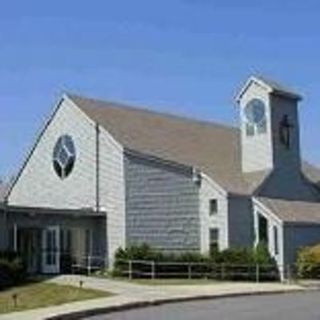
<point>129,295</point>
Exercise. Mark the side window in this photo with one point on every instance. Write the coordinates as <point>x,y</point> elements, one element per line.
<point>276,240</point>
<point>213,207</point>
<point>262,229</point>
<point>214,240</point>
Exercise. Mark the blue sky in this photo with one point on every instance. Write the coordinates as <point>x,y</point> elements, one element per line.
<point>182,56</point>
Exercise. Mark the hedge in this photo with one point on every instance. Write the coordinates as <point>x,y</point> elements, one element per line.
<point>12,270</point>
<point>308,262</point>
<point>230,264</point>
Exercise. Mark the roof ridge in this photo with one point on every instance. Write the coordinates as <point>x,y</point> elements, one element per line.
<point>144,109</point>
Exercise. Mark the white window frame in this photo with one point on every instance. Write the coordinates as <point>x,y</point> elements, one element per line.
<point>216,241</point>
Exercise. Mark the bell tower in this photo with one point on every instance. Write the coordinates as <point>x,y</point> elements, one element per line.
<point>269,126</point>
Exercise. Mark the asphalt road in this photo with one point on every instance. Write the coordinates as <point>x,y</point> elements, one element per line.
<point>293,306</point>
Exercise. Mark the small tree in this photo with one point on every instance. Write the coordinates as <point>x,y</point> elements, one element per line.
<point>308,262</point>
<point>261,254</point>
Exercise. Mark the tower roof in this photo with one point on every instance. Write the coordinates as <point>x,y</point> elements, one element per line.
<point>271,86</point>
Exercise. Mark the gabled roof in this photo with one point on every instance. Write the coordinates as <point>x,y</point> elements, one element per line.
<point>271,86</point>
<point>293,211</point>
<point>210,147</point>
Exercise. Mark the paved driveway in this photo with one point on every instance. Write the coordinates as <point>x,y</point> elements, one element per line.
<point>292,306</point>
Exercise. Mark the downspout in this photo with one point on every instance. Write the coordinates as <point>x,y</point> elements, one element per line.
<point>98,181</point>
<point>97,167</point>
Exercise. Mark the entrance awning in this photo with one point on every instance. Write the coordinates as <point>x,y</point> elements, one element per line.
<point>81,212</point>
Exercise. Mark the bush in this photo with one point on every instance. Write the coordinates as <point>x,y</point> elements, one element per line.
<point>12,270</point>
<point>261,255</point>
<point>235,256</point>
<point>308,262</point>
<point>241,263</point>
<point>231,264</point>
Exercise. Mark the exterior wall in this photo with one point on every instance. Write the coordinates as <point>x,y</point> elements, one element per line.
<point>96,168</point>
<point>285,159</point>
<point>297,236</point>
<point>273,221</point>
<point>162,205</point>
<point>38,184</point>
<point>256,150</point>
<point>209,190</point>
<point>241,224</point>
<point>112,191</point>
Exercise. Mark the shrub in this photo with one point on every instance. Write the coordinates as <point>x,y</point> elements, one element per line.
<point>9,255</point>
<point>261,255</point>
<point>268,268</point>
<point>232,264</point>
<point>241,263</point>
<point>236,256</point>
<point>138,252</point>
<point>308,262</point>
<point>12,270</point>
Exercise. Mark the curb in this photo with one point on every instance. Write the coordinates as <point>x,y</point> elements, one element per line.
<point>143,304</point>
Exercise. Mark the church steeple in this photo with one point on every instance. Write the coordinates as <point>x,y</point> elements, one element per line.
<point>269,126</point>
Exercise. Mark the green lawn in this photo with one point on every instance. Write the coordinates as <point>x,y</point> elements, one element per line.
<point>42,294</point>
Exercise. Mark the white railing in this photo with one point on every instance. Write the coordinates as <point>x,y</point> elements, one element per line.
<point>87,263</point>
<point>196,270</point>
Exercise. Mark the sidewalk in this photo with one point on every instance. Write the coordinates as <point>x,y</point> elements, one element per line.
<point>130,295</point>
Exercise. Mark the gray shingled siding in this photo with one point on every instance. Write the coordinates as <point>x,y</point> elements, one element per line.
<point>297,236</point>
<point>240,221</point>
<point>162,205</point>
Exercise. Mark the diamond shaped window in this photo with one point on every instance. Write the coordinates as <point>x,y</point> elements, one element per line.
<point>64,156</point>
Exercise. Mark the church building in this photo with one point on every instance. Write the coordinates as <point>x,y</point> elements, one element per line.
<point>103,175</point>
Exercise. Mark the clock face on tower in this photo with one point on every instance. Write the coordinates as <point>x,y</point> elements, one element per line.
<point>255,111</point>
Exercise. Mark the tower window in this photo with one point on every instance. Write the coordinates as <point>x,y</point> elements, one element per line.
<point>255,114</point>
<point>262,126</point>
<point>249,129</point>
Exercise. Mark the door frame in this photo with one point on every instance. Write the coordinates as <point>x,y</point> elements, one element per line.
<point>53,255</point>
<point>27,245</point>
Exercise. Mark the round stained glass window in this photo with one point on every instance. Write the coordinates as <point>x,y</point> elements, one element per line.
<point>64,156</point>
<point>255,111</point>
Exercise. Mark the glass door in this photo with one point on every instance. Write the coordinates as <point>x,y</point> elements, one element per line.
<point>51,250</point>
